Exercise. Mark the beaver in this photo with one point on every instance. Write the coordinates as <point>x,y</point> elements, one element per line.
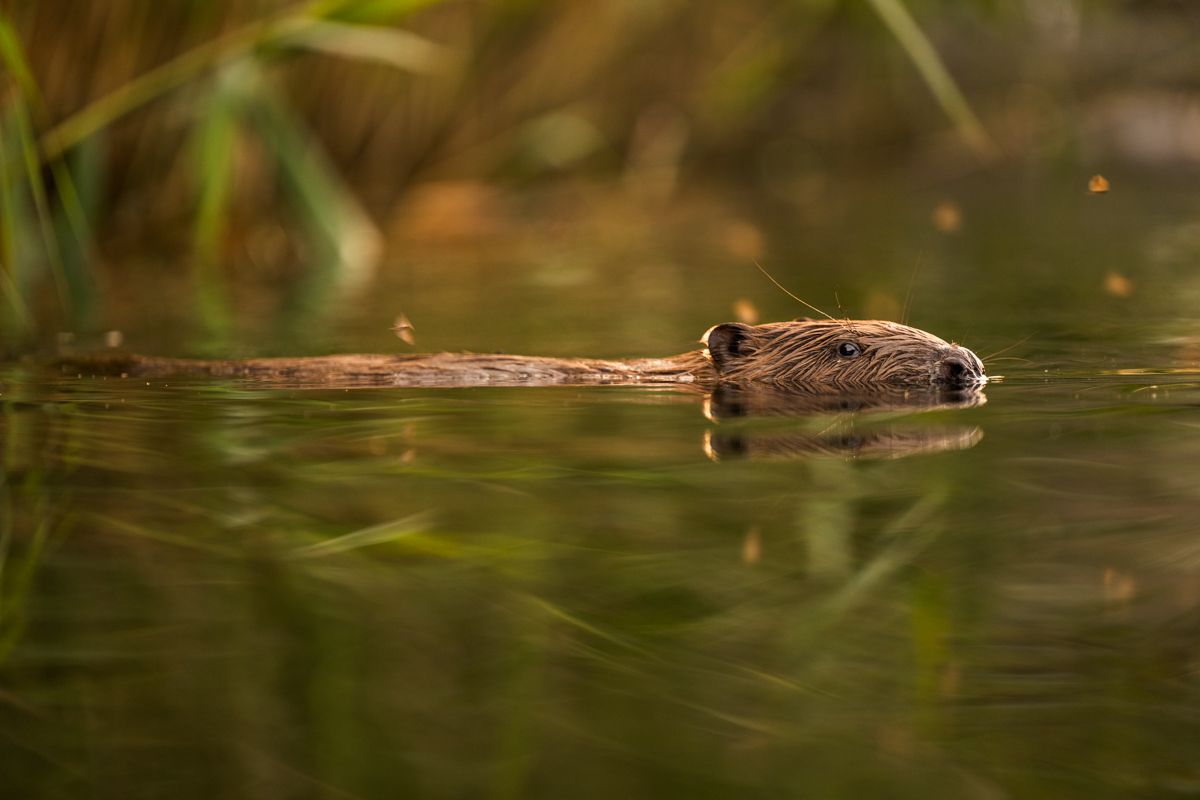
<point>826,355</point>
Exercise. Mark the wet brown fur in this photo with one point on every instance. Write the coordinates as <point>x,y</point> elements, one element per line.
<point>781,354</point>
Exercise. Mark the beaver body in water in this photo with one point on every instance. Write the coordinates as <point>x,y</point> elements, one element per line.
<point>827,355</point>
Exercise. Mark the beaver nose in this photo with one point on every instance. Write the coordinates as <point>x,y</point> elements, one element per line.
<point>960,368</point>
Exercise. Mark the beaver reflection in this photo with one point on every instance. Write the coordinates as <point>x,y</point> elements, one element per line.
<point>842,437</point>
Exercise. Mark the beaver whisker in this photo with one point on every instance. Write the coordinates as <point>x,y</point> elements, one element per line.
<point>1010,347</point>
<point>783,289</point>
<point>912,280</point>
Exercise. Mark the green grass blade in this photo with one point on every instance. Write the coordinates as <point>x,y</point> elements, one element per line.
<point>73,229</point>
<point>13,219</point>
<point>345,240</point>
<point>391,46</point>
<point>213,147</point>
<point>12,55</point>
<point>14,261</point>
<point>36,187</point>
<point>929,64</point>
<point>156,82</point>
<point>153,84</point>
<point>367,11</point>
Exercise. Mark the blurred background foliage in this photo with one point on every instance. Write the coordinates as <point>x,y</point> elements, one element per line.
<point>293,146</point>
<point>502,590</point>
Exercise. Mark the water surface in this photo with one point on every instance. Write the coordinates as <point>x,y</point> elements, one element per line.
<point>214,590</point>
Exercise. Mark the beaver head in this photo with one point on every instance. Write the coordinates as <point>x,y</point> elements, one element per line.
<point>839,354</point>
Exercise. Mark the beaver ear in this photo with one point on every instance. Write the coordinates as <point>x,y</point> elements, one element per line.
<point>728,343</point>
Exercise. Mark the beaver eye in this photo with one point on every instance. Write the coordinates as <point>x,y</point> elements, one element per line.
<point>848,350</point>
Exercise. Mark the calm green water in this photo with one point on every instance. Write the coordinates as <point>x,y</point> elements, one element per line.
<point>219,592</point>
<point>210,590</point>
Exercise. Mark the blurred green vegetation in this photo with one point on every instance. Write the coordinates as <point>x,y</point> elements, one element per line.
<point>293,131</point>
